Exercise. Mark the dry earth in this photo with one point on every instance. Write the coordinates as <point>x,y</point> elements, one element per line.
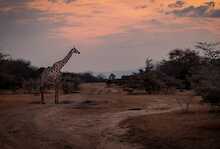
<point>105,118</point>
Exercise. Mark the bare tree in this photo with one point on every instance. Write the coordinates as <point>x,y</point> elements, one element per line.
<point>184,100</point>
<point>149,64</point>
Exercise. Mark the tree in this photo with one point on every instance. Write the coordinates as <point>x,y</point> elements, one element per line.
<point>149,64</point>
<point>209,50</point>
<point>101,77</point>
<point>206,80</point>
<point>13,73</point>
<point>3,56</point>
<point>112,76</point>
<point>70,82</point>
<point>180,65</point>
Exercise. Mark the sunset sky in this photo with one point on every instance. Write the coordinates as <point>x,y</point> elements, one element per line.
<point>111,34</point>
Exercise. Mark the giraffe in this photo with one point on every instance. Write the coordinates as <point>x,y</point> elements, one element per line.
<point>52,75</point>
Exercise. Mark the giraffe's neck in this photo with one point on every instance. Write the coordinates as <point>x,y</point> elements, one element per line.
<point>66,59</point>
<point>60,64</point>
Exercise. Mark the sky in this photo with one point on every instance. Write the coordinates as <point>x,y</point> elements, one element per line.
<point>110,34</point>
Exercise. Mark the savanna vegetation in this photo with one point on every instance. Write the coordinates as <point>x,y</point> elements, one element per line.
<point>185,69</point>
<point>113,115</point>
<point>18,74</point>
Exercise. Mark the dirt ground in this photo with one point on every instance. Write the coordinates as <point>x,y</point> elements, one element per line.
<point>106,118</point>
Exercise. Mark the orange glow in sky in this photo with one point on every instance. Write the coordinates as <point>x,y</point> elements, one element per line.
<point>125,31</point>
<point>86,19</point>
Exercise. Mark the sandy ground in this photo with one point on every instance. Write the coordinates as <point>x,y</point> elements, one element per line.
<point>173,131</point>
<point>105,118</point>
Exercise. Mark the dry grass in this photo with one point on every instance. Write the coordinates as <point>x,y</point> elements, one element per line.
<point>103,118</point>
<point>174,131</point>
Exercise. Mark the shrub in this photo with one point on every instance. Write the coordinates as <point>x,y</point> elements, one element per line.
<point>70,87</point>
<point>179,65</point>
<point>206,83</point>
<point>210,95</point>
<point>70,82</point>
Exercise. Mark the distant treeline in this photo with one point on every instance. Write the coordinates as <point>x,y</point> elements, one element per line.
<point>14,72</point>
<point>184,69</point>
<point>18,73</point>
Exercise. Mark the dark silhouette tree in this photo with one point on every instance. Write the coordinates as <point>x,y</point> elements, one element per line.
<point>206,80</point>
<point>3,56</point>
<point>209,49</point>
<point>149,64</point>
<point>180,65</point>
<point>112,76</point>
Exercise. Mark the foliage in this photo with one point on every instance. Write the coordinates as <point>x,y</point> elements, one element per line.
<point>183,69</point>
<point>209,50</point>
<point>151,80</point>
<point>112,76</point>
<point>148,64</point>
<point>3,56</point>
<point>101,77</point>
<point>70,82</point>
<point>88,77</point>
<point>14,72</point>
<point>206,80</point>
<point>180,65</point>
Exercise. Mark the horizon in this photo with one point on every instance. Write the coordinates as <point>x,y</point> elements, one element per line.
<point>111,35</point>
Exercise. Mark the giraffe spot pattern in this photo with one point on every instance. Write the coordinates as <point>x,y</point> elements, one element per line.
<point>53,74</point>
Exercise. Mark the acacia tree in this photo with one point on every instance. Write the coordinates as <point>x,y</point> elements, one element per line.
<point>180,65</point>
<point>209,50</point>
<point>3,56</point>
<point>207,79</point>
<point>149,64</point>
<point>112,76</point>
<point>14,72</point>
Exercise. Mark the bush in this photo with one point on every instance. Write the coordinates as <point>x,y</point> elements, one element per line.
<point>31,86</point>
<point>152,83</point>
<point>179,65</point>
<point>206,83</point>
<point>14,72</point>
<point>70,87</point>
<point>210,95</point>
<point>70,82</point>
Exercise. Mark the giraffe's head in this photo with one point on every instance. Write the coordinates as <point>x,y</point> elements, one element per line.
<point>74,50</point>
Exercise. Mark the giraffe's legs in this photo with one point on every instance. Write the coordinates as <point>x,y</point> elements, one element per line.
<point>57,93</point>
<point>42,95</point>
